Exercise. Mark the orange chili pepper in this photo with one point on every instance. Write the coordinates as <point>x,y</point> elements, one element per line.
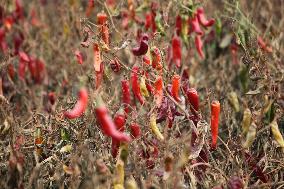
<point>215,111</point>
<point>175,87</point>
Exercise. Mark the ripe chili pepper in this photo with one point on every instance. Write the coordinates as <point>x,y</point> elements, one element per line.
<point>24,59</point>
<point>142,48</point>
<point>114,147</point>
<point>18,39</point>
<point>146,60</point>
<point>148,85</point>
<point>135,130</point>
<point>90,7</point>
<point>178,25</point>
<point>263,45</point>
<point>175,87</point>
<point>246,122</point>
<point>125,95</point>
<point>135,84</point>
<point>99,75</point>
<point>101,18</point>
<point>176,50</point>
<point>80,106</point>
<point>143,87</point>
<point>97,58</point>
<point>119,121</point>
<point>37,69</point>
<point>234,50</point>
<point>156,58</point>
<point>79,56</point>
<point>158,85</point>
<point>148,20</point>
<point>251,134</point>
<point>115,65</point>
<point>215,111</point>
<point>199,45</point>
<point>154,128</point>
<point>277,134</point>
<point>107,124</point>
<point>202,20</point>
<point>195,27</point>
<point>52,98</point>
<point>105,34</point>
<point>8,22</point>
<point>193,99</point>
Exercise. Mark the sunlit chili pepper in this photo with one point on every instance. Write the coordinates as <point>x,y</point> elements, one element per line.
<point>263,45</point>
<point>202,20</point>
<point>90,7</point>
<point>99,75</point>
<point>135,84</point>
<point>195,27</point>
<point>97,58</point>
<point>142,48</point>
<point>119,121</point>
<point>176,50</point>
<point>38,140</point>
<point>105,34</point>
<point>246,122</point>
<point>251,134</point>
<point>175,87</point>
<point>101,18</point>
<point>156,58</point>
<point>80,106</point>
<point>115,65</point>
<point>24,59</point>
<point>199,45</point>
<point>215,111</point>
<point>277,134</point>
<point>193,99</point>
<point>143,87</point>
<point>126,99</point>
<point>146,60</point>
<point>107,124</point>
<point>135,130</point>
<point>158,85</point>
<point>233,99</point>
<point>154,128</point>
<point>79,56</point>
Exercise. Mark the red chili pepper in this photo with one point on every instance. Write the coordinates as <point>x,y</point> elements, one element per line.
<point>79,56</point>
<point>142,48</point>
<point>97,58</point>
<point>176,50</point>
<point>202,20</point>
<point>193,100</point>
<point>215,111</point>
<point>195,27</point>
<point>135,84</point>
<point>19,9</point>
<point>146,60</point>
<point>8,22</point>
<point>107,124</point>
<point>263,45</point>
<point>199,45</point>
<point>99,75</point>
<point>178,25</point>
<point>159,90</point>
<point>148,85</point>
<point>18,39</point>
<point>40,71</point>
<point>80,106</point>
<point>234,50</point>
<point>115,65</point>
<point>90,7</point>
<point>52,97</point>
<point>148,20</point>
<point>3,44</point>
<point>125,95</point>
<point>119,120</point>
<point>105,34</point>
<point>114,147</point>
<point>156,58</point>
<point>175,87</point>
<point>135,130</point>
<point>101,18</point>
<point>24,59</point>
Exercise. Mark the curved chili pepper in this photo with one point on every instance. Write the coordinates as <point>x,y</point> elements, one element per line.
<point>178,25</point>
<point>135,130</point>
<point>202,20</point>
<point>154,128</point>
<point>158,91</point>
<point>115,65</point>
<point>193,99</point>
<point>215,111</point>
<point>199,45</point>
<point>148,20</point>
<point>176,50</point>
<point>119,120</point>
<point>143,87</point>
<point>135,84</point>
<point>277,134</point>
<point>99,75</point>
<point>175,87</point>
<point>250,137</point>
<point>141,49</point>
<point>80,106</point>
<point>263,45</point>
<point>107,124</point>
<point>79,56</point>
<point>97,58</point>
<point>156,58</point>
<point>125,95</point>
<point>146,60</point>
<point>101,18</point>
<point>195,27</point>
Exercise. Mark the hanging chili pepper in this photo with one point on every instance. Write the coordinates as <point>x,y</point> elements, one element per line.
<point>263,45</point>
<point>115,65</point>
<point>135,84</point>
<point>246,122</point>
<point>156,58</point>
<point>199,45</point>
<point>114,147</point>
<point>178,26</point>
<point>234,50</point>
<point>119,121</point>
<point>277,134</point>
<point>143,87</point>
<point>158,85</point>
<point>154,128</point>
<point>251,134</point>
<point>101,18</point>
<point>233,99</point>
<point>125,95</point>
<point>107,124</point>
<point>135,130</point>
<point>105,34</point>
<point>142,48</point>
<point>99,75</point>
<point>148,20</point>
<point>195,27</point>
<point>175,87</point>
<point>215,110</point>
<point>148,85</point>
<point>24,59</point>
<point>90,7</point>
<point>193,99</point>
<point>52,98</point>
<point>80,106</point>
<point>146,60</point>
<point>97,58</point>
<point>176,50</point>
<point>202,20</point>
<point>79,56</point>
